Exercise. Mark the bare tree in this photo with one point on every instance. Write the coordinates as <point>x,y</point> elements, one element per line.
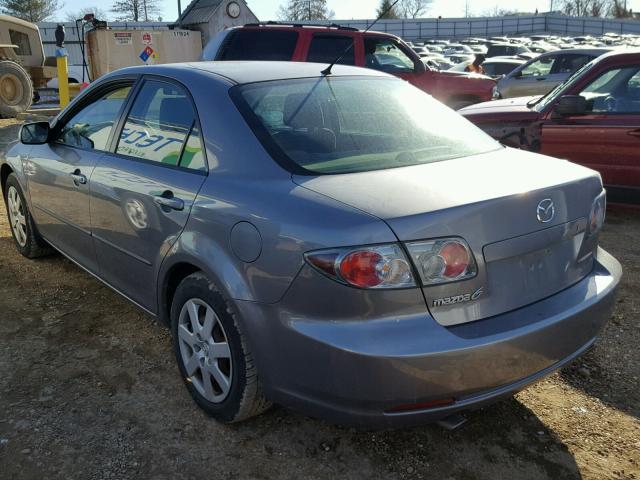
<point>135,10</point>
<point>98,12</point>
<point>413,8</point>
<point>498,12</point>
<point>619,9</point>
<point>30,10</point>
<point>305,10</point>
<point>586,8</point>
<point>467,8</point>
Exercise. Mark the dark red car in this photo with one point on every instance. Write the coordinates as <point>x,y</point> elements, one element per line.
<point>592,119</point>
<point>323,44</point>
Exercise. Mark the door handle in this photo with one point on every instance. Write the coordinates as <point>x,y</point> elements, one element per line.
<point>168,200</point>
<point>634,133</point>
<point>539,79</point>
<point>78,178</point>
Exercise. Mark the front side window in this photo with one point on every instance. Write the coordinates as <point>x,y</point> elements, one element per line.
<point>158,124</point>
<point>539,67</point>
<point>271,45</point>
<point>21,40</point>
<point>90,127</point>
<point>352,124</point>
<point>327,48</point>
<point>384,54</point>
<point>615,91</point>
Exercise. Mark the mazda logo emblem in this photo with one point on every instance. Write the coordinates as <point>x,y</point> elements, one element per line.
<point>546,210</point>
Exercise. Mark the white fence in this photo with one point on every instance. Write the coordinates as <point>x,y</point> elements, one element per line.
<point>497,26</point>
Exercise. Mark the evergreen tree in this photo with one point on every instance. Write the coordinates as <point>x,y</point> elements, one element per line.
<point>386,11</point>
<point>296,10</point>
<point>30,10</point>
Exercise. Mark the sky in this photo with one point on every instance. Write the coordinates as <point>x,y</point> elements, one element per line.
<point>347,9</point>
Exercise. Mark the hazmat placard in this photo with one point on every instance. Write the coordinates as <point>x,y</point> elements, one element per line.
<point>146,53</point>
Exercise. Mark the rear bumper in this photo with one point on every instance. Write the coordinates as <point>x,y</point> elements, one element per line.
<point>355,371</point>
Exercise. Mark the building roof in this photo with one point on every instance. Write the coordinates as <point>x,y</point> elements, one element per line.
<point>199,11</point>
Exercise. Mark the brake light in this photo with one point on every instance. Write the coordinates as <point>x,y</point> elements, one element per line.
<point>376,266</point>
<point>442,260</point>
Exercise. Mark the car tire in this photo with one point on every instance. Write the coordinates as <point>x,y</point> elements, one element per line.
<point>223,380</point>
<point>23,230</point>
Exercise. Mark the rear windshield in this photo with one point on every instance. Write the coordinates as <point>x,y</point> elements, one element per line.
<point>269,45</point>
<point>351,124</point>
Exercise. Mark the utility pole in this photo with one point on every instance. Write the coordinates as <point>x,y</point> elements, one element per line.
<point>309,10</point>
<point>551,5</point>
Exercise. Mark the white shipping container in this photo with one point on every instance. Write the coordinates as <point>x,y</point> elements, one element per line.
<point>109,50</point>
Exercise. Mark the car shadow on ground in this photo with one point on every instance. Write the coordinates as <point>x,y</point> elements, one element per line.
<point>488,446</point>
<point>590,375</point>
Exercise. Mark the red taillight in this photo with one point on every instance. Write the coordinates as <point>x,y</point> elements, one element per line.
<point>376,266</point>
<point>456,259</point>
<point>361,269</point>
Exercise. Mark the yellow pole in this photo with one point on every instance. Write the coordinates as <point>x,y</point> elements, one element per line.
<point>63,79</point>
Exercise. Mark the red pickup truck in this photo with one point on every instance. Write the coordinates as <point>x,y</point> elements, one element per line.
<point>323,44</point>
<point>593,118</point>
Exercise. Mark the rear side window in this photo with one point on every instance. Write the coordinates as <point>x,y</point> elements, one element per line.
<point>158,125</point>
<point>273,45</point>
<point>326,48</point>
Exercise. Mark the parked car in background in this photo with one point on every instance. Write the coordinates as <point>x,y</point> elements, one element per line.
<point>542,74</point>
<point>340,243</point>
<point>592,119</point>
<point>457,58</point>
<point>505,50</point>
<point>495,67</point>
<point>320,44</point>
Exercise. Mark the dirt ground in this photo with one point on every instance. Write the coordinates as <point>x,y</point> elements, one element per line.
<point>89,390</point>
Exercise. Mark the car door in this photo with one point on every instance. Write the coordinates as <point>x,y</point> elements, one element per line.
<point>59,172</point>
<point>607,136</point>
<point>531,79</point>
<point>142,192</point>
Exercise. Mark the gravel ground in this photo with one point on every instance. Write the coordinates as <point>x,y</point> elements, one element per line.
<point>89,390</point>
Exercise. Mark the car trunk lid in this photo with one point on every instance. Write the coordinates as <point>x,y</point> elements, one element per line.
<point>491,201</point>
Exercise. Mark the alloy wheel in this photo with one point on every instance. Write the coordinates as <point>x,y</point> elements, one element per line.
<point>204,350</point>
<point>16,216</point>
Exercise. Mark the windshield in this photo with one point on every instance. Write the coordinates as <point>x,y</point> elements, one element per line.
<point>332,125</point>
<point>540,102</point>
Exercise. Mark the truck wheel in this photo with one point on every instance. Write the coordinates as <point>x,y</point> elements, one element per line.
<point>16,89</point>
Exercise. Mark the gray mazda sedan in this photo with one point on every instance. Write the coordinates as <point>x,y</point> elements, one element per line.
<point>339,243</point>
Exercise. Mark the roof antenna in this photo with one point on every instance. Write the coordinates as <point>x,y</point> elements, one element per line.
<point>327,71</point>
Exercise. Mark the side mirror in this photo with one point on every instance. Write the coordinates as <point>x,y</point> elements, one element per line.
<point>570,105</point>
<point>34,133</point>
<point>420,67</point>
